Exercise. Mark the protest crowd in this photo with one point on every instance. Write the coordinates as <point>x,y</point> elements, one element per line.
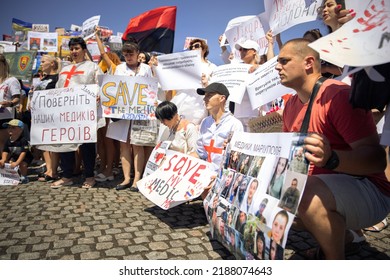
<point>323,184</point>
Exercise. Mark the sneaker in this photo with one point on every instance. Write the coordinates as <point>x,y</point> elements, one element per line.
<point>24,180</point>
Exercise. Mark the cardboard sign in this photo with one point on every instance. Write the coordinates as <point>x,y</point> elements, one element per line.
<point>180,178</point>
<point>129,98</point>
<point>64,115</point>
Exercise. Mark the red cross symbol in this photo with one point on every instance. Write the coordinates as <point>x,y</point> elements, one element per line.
<point>211,149</point>
<point>69,75</point>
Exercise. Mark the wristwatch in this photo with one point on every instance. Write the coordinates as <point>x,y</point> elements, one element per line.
<point>332,162</point>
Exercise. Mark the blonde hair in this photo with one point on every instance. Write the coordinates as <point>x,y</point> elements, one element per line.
<point>4,68</point>
<point>56,61</point>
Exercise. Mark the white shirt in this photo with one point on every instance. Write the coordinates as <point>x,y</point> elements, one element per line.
<point>212,136</point>
<point>143,70</point>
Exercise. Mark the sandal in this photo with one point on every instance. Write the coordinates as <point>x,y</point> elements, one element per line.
<point>378,227</point>
<point>60,183</point>
<point>88,185</point>
<point>47,178</point>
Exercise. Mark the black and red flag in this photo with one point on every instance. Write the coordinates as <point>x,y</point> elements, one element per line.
<point>154,30</point>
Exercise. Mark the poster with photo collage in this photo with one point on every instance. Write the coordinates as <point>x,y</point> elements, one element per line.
<point>255,198</point>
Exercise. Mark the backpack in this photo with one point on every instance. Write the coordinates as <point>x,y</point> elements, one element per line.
<point>368,94</point>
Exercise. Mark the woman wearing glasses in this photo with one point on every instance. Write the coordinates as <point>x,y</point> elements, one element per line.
<point>188,102</point>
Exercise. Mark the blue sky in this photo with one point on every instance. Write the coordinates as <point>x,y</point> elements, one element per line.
<point>195,18</point>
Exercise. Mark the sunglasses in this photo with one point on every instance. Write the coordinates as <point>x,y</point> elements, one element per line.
<point>243,50</point>
<point>196,46</point>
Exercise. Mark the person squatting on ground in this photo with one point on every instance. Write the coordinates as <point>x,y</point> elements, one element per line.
<point>17,150</point>
<point>342,141</point>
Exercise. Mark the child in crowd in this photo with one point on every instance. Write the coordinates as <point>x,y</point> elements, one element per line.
<point>17,150</point>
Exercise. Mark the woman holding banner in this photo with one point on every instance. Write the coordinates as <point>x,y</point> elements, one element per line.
<point>188,102</point>
<point>80,72</point>
<point>141,141</point>
<point>50,67</point>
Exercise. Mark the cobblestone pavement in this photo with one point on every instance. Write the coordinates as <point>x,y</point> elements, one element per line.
<point>37,222</point>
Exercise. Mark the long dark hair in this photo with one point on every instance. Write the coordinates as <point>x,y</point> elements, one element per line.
<point>260,235</point>
<point>321,8</point>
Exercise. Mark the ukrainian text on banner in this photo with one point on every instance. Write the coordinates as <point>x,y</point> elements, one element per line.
<point>37,27</point>
<point>250,29</point>
<point>129,98</point>
<point>179,70</point>
<point>9,175</point>
<point>180,178</point>
<point>232,23</point>
<point>64,115</point>
<point>42,41</point>
<point>253,203</point>
<point>89,27</point>
<point>21,64</point>
<point>363,41</point>
<point>283,14</point>
<point>234,77</point>
<point>264,84</point>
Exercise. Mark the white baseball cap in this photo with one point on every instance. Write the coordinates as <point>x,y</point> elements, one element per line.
<point>248,44</point>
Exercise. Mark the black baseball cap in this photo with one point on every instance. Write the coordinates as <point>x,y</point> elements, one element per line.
<point>214,87</point>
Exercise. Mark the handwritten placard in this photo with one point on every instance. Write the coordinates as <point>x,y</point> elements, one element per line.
<point>64,115</point>
<point>180,178</point>
<point>363,41</point>
<point>250,29</point>
<point>129,98</point>
<point>283,14</point>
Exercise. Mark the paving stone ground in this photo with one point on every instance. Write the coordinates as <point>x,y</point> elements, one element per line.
<point>37,222</point>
